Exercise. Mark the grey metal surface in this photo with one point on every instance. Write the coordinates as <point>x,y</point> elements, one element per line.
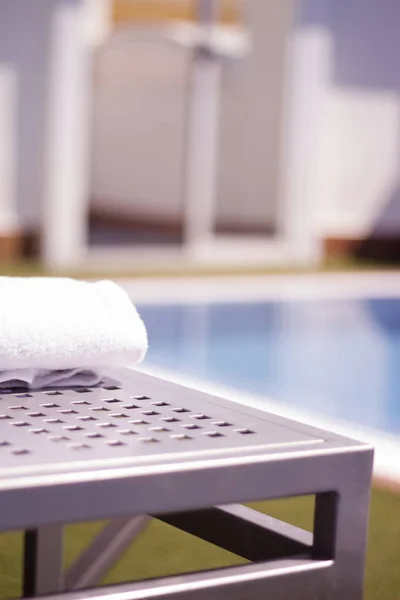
<point>183,449</point>
<point>287,579</point>
<point>146,446</point>
<point>332,568</point>
<point>134,420</point>
<point>43,561</point>
<point>105,550</point>
<point>140,419</point>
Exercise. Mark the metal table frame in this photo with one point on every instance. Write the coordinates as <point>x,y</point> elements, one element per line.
<point>228,454</point>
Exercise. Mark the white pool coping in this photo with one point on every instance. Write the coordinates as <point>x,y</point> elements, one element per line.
<point>280,287</point>
<point>269,287</point>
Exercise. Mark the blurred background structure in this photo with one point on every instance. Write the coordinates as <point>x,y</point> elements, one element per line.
<point>189,136</point>
<point>247,132</point>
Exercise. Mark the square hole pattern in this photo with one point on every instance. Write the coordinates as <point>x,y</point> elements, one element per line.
<point>104,420</point>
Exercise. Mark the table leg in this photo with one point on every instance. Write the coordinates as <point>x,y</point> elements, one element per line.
<point>341,528</point>
<point>43,561</point>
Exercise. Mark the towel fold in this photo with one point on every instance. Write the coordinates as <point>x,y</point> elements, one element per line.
<point>64,332</point>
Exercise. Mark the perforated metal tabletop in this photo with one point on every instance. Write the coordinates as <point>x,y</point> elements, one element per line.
<point>136,445</point>
<point>136,420</point>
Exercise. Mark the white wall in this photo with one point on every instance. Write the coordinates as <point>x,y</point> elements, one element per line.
<point>252,109</point>
<point>360,170</point>
<point>353,171</point>
<point>8,164</point>
<point>356,187</point>
<point>139,119</point>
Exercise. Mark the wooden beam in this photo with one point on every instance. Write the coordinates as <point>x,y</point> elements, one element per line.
<point>158,10</point>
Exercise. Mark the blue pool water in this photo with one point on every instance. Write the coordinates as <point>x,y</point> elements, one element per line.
<point>339,358</point>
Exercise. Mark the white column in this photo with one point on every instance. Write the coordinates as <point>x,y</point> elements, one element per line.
<point>66,174</point>
<point>8,128</point>
<point>98,19</point>
<point>309,72</point>
<point>202,135</point>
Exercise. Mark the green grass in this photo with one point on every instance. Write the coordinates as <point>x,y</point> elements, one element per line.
<point>162,550</point>
<point>29,268</point>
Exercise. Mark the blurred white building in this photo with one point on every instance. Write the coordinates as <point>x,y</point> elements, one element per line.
<point>278,144</point>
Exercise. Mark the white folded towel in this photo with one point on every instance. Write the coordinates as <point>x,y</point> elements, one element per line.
<point>64,332</point>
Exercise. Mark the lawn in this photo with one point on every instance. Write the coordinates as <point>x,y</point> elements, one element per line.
<point>162,550</point>
<point>33,268</point>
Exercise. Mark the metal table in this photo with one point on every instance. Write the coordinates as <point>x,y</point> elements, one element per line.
<point>138,446</point>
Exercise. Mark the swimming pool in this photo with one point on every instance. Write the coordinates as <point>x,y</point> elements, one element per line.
<point>340,358</point>
<point>322,349</point>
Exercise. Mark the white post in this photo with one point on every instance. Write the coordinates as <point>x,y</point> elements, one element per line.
<point>99,20</point>
<point>8,128</point>
<point>66,176</point>
<point>310,56</point>
<point>202,132</point>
